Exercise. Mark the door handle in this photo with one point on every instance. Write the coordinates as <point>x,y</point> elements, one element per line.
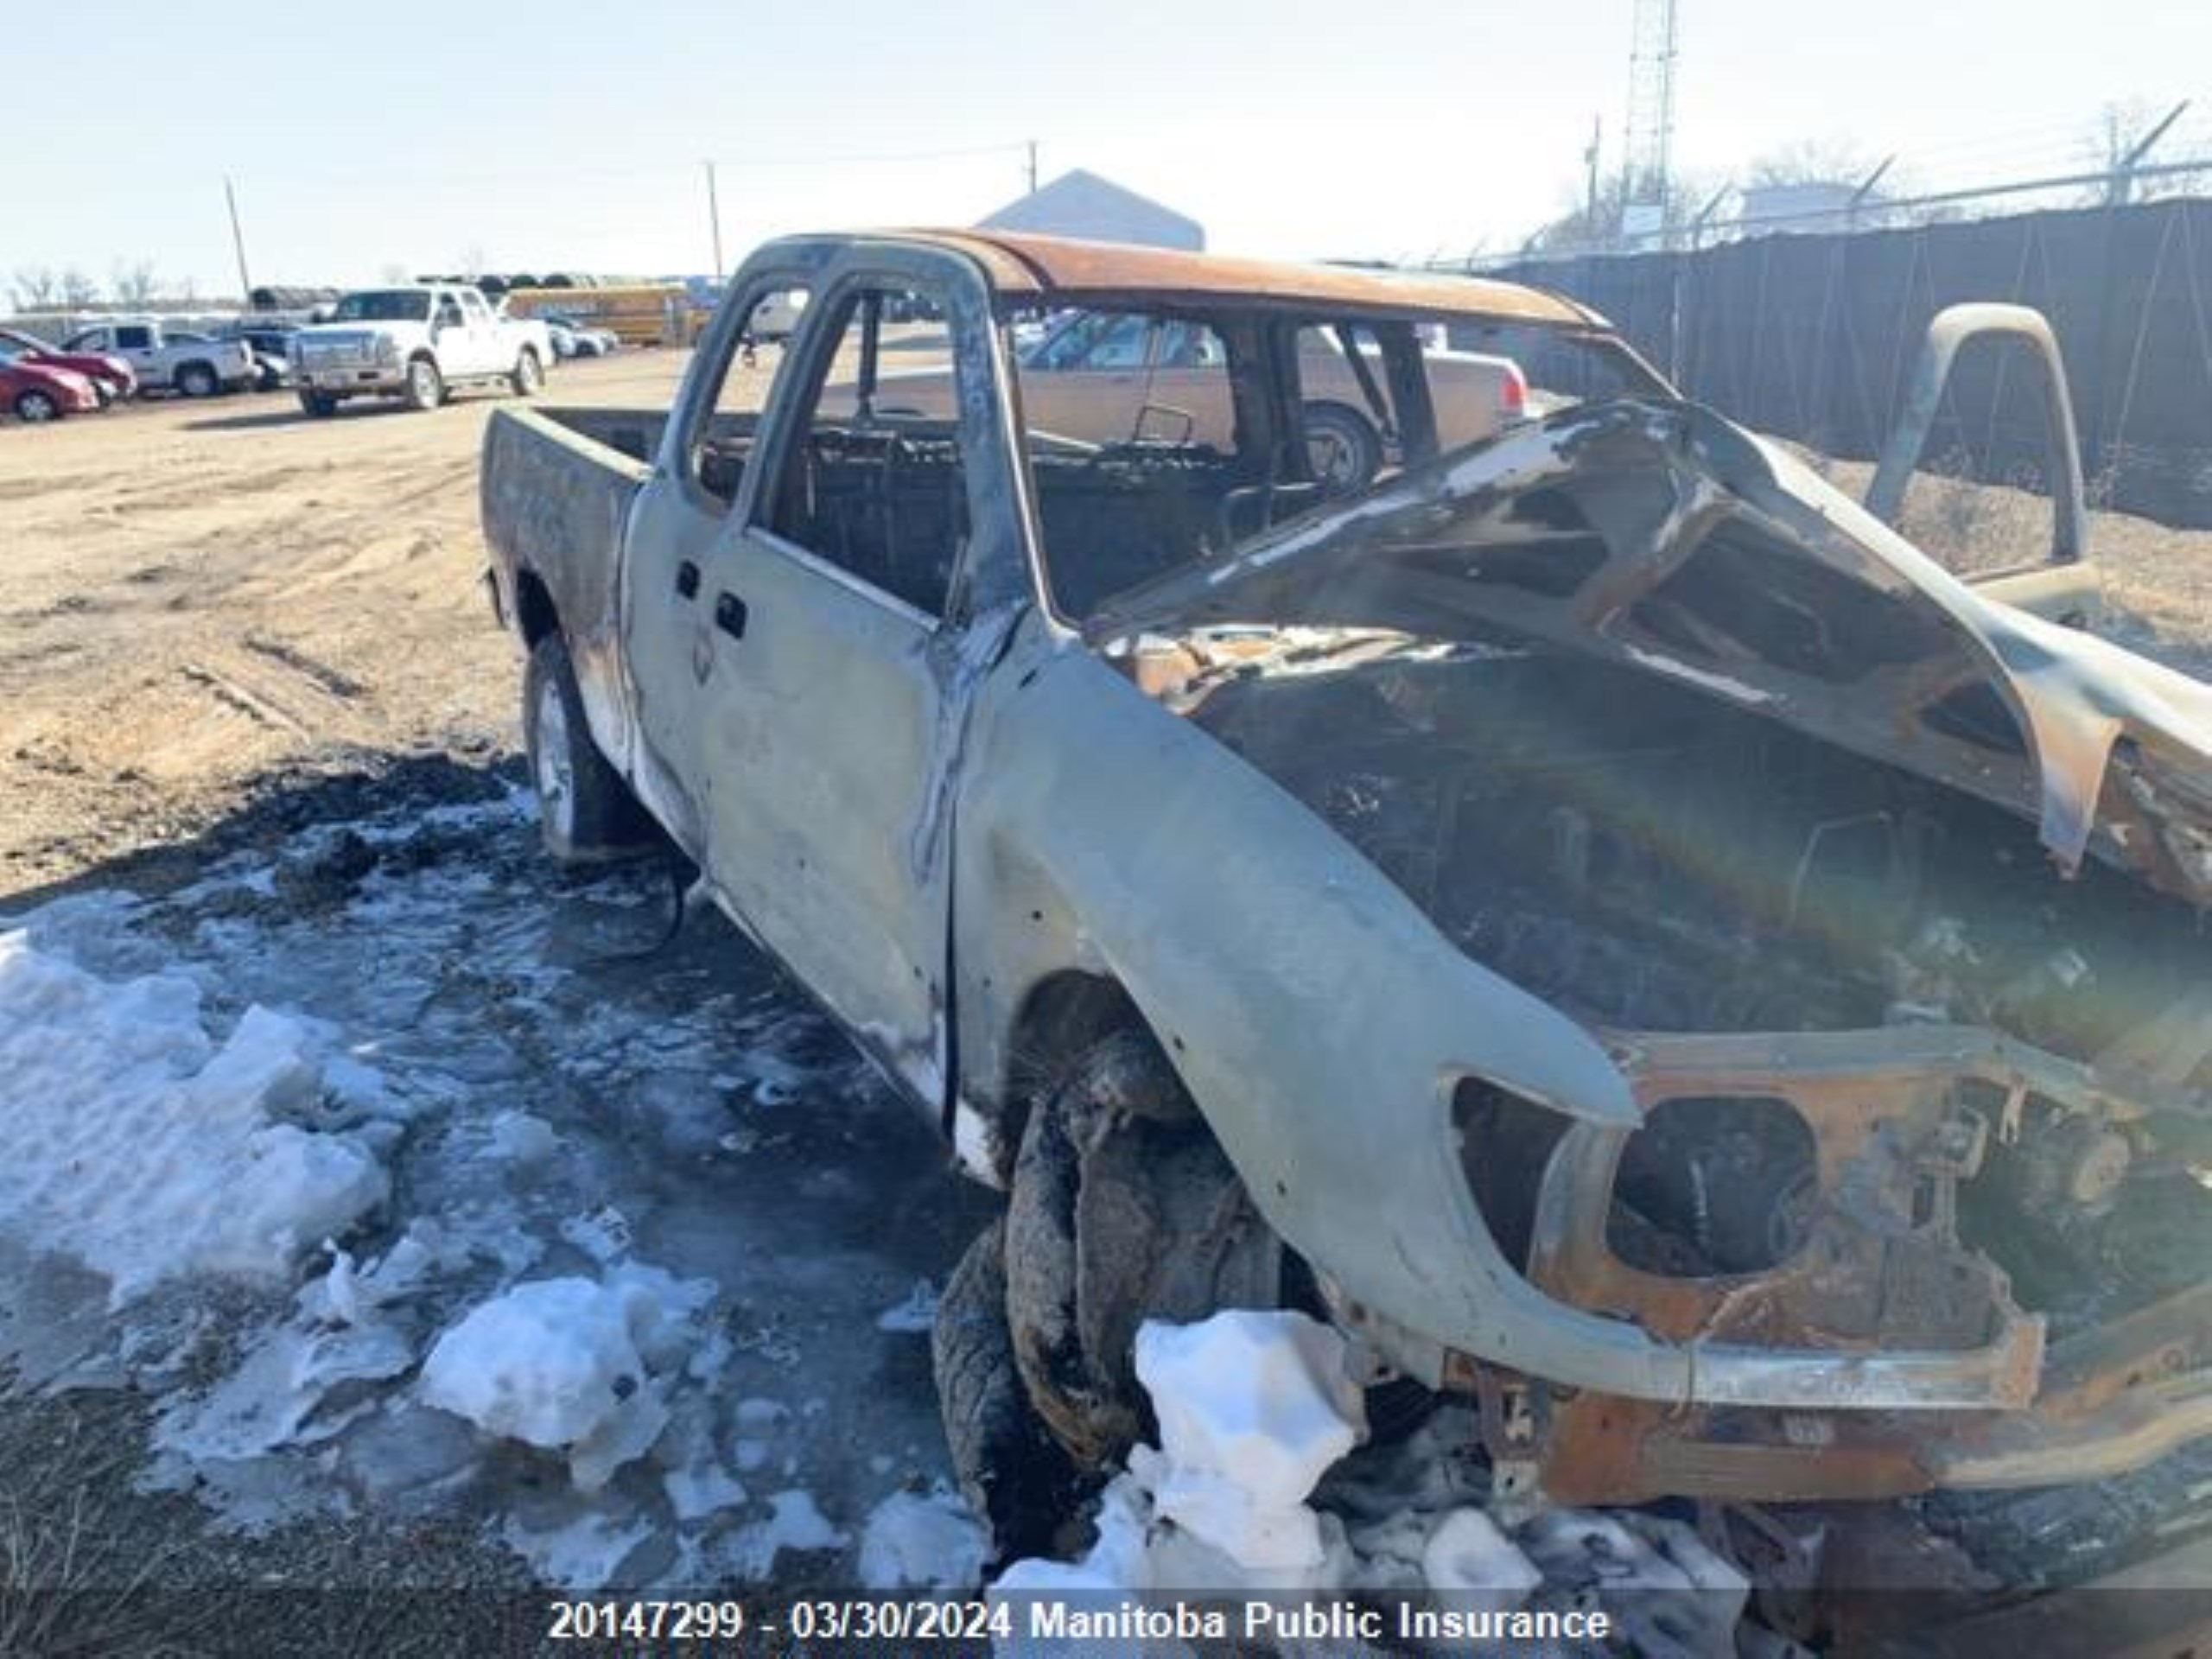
<point>687,580</point>
<point>729,614</point>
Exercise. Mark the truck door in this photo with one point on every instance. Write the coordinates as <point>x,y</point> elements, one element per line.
<point>487,351</point>
<point>700,483</point>
<point>461,350</point>
<point>829,716</point>
<point>136,344</point>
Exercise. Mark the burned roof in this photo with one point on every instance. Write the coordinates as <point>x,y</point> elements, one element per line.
<point>1062,270</point>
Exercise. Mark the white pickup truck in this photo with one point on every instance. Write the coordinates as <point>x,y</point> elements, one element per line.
<point>416,342</point>
<point>163,360</point>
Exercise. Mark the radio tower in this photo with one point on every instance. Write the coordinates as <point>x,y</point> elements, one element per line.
<point>1651,138</point>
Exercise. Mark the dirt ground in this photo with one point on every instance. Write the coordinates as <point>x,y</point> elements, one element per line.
<point>2158,579</point>
<point>201,595</point>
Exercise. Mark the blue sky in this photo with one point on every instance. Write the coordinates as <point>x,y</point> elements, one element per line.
<point>554,134</point>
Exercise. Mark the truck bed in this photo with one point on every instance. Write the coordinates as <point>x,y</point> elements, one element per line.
<point>557,486</point>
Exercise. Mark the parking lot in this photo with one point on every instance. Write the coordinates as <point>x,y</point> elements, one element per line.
<point>202,592</point>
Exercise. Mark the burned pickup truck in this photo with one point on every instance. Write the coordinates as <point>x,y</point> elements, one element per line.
<point>1591,910</point>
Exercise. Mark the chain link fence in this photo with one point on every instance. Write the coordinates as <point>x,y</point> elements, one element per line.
<point>1814,337</point>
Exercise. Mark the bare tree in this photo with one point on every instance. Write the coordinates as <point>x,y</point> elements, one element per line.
<point>1808,161</point>
<point>35,288</point>
<point>78,290</point>
<point>1599,227</point>
<point>134,283</point>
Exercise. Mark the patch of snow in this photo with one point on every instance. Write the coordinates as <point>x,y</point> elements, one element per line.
<point>131,1141</point>
<point>794,1523</point>
<point>699,1490</point>
<point>1672,1593</point>
<point>570,1365</point>
<point>1253,1408</point>
<point>523,1138</point>
<point>603,1235</point>
<point>268,1401</point>
<point>1470,1558</point>
<point>917,1313</point>
<point>751,1455</point>
<point>756,1416</point>
<point>922,1541</point>
<point>436,990</point>
<point>583,1553</point>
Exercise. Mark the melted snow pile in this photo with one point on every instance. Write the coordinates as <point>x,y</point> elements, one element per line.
<point>573,1364</point>
<point>130,1140</point>
<point>1254,1409</point>
<point>922,1541</point>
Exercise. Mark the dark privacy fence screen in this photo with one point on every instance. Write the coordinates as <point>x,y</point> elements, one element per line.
<point>1815,337</point>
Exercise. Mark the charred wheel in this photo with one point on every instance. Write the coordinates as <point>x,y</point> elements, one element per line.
<point>1123,1208</point>
<point>1010,1468</point>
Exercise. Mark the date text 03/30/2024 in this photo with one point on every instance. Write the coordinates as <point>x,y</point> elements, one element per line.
<point>1055,1618</point>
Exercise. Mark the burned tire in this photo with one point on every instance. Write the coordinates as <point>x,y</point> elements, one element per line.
<point>586,814</point>
<point>426,387</point>
<point>1123,1208</point>
<point>1344,450</point>
<point>1011,1469</point>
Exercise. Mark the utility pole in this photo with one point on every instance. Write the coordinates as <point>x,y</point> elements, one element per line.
<point>1032,167</point>
<point>715,219</point>
<point>1589,168</point>
<point>238,242</point>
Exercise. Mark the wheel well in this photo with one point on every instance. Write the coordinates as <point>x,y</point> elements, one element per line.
<point>1064,1014</point>
<point>190,363</point>
<point>534,612</point>
<point>1334,406</point>
<point>422,354</point>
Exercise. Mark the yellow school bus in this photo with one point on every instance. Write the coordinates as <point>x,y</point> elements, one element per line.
<point>638,313</point>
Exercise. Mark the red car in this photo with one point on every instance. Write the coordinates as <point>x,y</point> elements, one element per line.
<point>111,377</point>
<point>38,391</point>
